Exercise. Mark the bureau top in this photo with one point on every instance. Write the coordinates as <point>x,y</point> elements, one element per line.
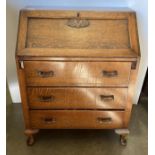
<point>77,34</point>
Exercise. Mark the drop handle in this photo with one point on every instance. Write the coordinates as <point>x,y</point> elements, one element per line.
<point>107,98</point>
<point>109,74</point>
<point>49,120</point>
<point>46,98</point>
<point>45,74</point>
<point>104,120</point>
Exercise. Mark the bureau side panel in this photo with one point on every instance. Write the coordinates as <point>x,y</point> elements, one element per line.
<point>22,86</point>
<point>131,92</point>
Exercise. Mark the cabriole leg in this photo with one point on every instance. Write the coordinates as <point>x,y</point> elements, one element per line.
<point>30,136</point>
<point>123,135</point>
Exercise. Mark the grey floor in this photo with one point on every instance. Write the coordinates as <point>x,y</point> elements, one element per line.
<point>77,142</point>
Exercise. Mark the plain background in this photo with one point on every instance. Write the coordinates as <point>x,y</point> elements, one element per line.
<point>12,14</point>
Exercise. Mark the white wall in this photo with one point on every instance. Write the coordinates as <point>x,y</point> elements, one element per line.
<point>141,7</point>
<point>13,7</point>
<point>12,12</point>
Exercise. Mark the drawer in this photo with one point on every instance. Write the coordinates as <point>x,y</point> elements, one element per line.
<point>52,73</point>
<point>50,119</point>
<point>77,98</point>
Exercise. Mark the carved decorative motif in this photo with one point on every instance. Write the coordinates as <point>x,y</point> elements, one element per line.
<point>78,23</point>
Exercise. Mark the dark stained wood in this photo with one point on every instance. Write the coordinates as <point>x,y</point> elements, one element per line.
<point>77,73</point>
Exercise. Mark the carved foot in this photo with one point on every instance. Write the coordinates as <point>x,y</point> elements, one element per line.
<point>30,140</point>
<point>123,135</point>
<point>30,134</point>
<point>123,140</point>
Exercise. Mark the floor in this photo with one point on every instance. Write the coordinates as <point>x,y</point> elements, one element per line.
<point>77,142</point>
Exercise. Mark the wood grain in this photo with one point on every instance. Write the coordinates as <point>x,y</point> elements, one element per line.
<point>57,119</point>
<point>56,14</point>
<point>131,92</point>
<point>99,16</point>
<point>64,54</point>
<point>133,31</point>
<point>23,93</point>
<point>22,32</point>
<point>77,98</point>
<point>77,73</point>
<point>100,34</point>
<point>77,78</point>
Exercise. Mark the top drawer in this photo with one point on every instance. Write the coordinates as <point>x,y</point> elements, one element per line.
<point>52,73</point>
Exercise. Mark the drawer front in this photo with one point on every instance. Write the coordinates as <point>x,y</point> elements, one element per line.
<point>77,98</point>
<point>47,119</point>
<point>43,73</point>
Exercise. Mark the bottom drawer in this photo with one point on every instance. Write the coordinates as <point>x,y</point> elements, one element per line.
<point>76,119</point>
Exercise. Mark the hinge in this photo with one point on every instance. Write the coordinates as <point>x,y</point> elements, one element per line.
<point>133,65</point>
<point>21,63</point>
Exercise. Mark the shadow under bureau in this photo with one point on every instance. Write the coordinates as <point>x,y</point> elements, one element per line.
<point>77,69</point>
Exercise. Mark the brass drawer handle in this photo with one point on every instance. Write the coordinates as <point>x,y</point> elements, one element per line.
<point>49,120</point>
<point>107,98</point>
<point>45,74</point>
<point>46,98</point>
<point>110,73</point>
<point>104,120</point>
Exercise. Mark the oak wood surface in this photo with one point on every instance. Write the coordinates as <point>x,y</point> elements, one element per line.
<point>23,93</point>
<point>77,73</point>
<point>56,14</point>
<point>77,77</point>
<point>77,98</point>
<point>129,16</point>
<point>53,33</point>
<point>76,53</point>
<point>131,92</point>
<point>47,119</point>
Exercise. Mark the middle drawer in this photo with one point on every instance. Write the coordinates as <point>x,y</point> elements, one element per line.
<point>77,98</point>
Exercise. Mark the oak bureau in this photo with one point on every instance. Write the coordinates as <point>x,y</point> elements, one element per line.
<point>77,69</point>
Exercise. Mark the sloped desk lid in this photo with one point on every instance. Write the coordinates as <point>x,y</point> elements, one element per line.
<point>77,34</point>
